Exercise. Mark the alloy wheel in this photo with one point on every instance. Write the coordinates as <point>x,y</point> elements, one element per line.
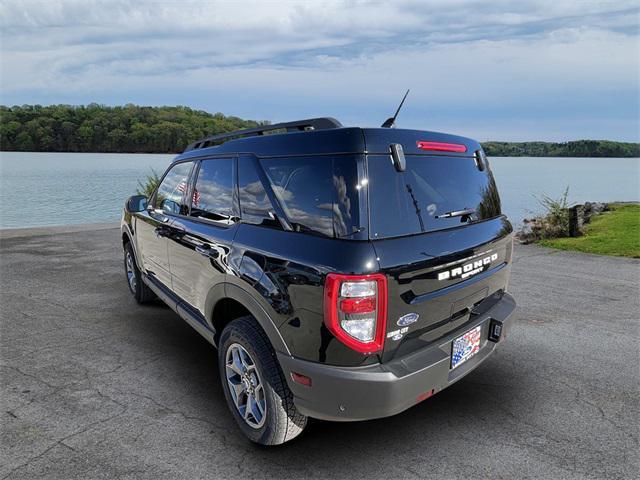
<point>131,273</point>
<point>245,386</point>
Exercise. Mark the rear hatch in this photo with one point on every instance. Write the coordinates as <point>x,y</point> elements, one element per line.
<point>443,266</point>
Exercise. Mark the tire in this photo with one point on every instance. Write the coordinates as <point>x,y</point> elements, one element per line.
<point>280,420</point>
<point>137,287</point>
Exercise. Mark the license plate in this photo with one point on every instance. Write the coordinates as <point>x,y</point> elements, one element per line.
<point>465,347</point>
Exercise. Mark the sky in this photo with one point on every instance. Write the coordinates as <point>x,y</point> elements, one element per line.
<point>549,70</point>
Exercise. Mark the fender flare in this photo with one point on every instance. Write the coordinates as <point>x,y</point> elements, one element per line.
<point>248,301</point>
<point>125,228</point>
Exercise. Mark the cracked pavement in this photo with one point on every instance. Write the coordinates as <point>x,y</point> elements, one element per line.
<point>95,386</point>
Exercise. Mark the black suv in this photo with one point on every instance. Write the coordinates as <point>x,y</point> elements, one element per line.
<point>343,273</point>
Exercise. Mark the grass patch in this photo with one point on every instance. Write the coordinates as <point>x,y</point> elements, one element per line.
<point>616,232</point>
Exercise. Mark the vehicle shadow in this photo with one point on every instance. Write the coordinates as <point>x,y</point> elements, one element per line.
<point>433,428</point>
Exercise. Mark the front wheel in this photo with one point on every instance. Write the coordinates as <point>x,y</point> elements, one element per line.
<point>254,385</point>
<point>138,289</point>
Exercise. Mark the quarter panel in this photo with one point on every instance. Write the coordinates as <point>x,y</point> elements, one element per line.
<point>287,270</point>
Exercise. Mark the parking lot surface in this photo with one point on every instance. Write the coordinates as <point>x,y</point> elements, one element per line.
<point>95,386</point>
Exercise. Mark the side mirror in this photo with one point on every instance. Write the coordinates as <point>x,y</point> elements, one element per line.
<point>137,203</point>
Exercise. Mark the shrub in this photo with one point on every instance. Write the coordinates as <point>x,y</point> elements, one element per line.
<point>150,184</point>
<point>553,223</point>
<point>556,218</point>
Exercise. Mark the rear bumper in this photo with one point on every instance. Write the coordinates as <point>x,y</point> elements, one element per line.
<point>381,390</point>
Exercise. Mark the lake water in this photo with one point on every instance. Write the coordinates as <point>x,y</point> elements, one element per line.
<point>41,189</point>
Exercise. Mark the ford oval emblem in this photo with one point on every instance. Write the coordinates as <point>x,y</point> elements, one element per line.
<point>408,319</point>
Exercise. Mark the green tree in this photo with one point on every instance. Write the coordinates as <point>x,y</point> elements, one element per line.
<point>578,148</point>
<point>25,142</point>
<point>99,128</point>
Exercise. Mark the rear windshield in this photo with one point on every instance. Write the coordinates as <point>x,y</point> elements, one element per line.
<point>410,202</point>
<point>318,194</point>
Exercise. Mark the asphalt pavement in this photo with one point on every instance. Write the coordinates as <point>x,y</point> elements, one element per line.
<point>95,386</point>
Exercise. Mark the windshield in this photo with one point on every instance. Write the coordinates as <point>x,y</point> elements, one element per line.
<point>433,193</point>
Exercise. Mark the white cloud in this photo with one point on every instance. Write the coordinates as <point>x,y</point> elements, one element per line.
<point>472,65</point>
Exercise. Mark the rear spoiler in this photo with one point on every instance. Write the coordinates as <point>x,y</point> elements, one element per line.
<point>419,142</point>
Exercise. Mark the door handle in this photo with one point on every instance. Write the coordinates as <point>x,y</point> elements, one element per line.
<point>161,231</point>
<point>169,231</point>
<point>206,250</point>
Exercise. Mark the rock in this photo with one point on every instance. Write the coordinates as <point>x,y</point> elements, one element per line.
<point>548,226</point>
<point>592,208</point>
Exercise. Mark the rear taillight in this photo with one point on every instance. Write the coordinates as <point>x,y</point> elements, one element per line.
<point>442,146</point>
<point>355,310</point>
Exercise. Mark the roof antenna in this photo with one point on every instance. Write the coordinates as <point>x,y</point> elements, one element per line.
<point>391,122</point>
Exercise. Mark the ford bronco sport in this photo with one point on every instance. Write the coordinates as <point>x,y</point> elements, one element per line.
<point>343,273</point>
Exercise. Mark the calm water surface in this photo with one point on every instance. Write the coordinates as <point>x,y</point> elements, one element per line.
<point>40,189</point>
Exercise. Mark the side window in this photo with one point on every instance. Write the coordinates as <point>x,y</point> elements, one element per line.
<point>174,184</point>
<point>213,193</point>
<point>304,188</point>
<point>255,206</point>
<point>317,194</point>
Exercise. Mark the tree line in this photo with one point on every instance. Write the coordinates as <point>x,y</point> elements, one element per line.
<point>99,128</point>
<point>136,129</point>
<point>578,148</point>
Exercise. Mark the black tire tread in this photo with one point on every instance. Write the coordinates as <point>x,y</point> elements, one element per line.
<point>289,421</point>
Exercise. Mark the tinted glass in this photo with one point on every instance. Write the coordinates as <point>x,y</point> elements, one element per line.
<point>213,193</point>
<point>174,184</point>
<point>318,194</point>
<point>411,201</point>
<point>254,202</point>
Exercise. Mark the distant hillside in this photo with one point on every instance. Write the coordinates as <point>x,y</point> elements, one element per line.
<point>135,129</point>
<point>98,128</point>
<point>578,148</point>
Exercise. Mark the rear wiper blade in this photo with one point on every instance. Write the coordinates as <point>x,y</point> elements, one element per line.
<point>355,230</point>
<point>302,228</point>
<point>457,213</point>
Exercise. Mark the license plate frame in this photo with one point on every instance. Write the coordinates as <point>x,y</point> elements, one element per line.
<point>465,346</point>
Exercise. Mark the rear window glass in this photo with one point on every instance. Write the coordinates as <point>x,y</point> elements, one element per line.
<point>318,194</point>
<point>409,202</point>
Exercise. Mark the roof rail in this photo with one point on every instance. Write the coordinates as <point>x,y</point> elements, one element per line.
<point>322,123</point>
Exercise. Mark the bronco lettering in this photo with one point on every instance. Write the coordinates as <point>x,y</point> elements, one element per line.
<point>468,269</point>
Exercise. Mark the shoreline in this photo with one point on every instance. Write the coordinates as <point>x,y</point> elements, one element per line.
<point>14,232</point>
